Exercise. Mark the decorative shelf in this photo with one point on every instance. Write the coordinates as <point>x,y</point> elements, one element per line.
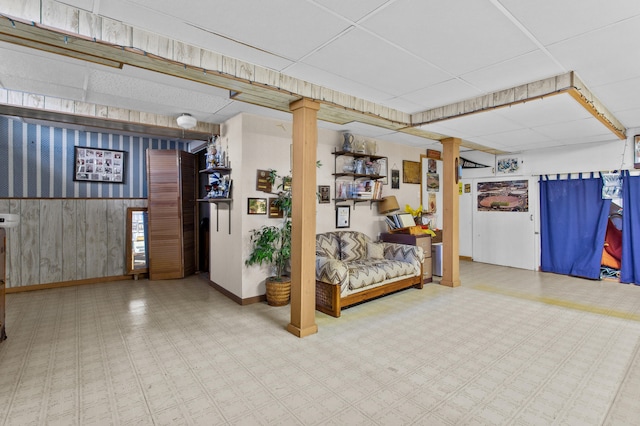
<point>358,200</point>
<point>358,155</point>
<point>358,175</point>
<point>216,169</point>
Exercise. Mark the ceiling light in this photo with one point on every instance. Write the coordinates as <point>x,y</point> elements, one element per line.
<point>186,121</point>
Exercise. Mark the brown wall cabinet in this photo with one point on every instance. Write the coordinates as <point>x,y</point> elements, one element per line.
<point>172,180</point>
<point>423,241</point>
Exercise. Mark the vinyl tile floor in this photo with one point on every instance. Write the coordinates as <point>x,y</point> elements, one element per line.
<point>508,347</point>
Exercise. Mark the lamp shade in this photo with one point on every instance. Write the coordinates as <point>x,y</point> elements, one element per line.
<point>187,121</point>
<point>388,204</point>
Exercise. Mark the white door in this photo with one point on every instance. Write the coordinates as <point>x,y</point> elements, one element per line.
<point>466,220</point>
<point>500,236</point>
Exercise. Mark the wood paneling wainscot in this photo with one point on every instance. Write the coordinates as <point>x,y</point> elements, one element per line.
<point>66,241</point>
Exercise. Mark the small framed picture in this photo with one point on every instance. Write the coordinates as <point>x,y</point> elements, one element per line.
<point>262,181</point>
<point>257,206</point>
<point>395,179</point>
<point>342,216</point>
<point>274,210</point>
<point>636,150</point>
<point>324,196</point>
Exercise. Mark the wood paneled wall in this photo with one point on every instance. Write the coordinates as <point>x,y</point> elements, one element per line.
<point>62,240</point>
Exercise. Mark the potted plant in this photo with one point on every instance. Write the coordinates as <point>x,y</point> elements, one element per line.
<point>271,245</point>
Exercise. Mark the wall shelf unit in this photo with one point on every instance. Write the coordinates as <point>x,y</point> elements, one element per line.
<point>218,192</point>
<point>357,175</point>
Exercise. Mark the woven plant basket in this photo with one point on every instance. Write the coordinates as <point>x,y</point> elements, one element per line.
<point>278,292</point>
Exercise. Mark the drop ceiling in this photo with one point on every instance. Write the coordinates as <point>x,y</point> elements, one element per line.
<point>409,55</point>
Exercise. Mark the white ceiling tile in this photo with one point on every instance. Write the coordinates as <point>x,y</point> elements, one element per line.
<point>434,31</point>
<point>553,21</point>
<point>447,92</point>
<point>479,124</point>
<point>602,56</point>
<point>352,9</point>
<point>620,95</point>
<point>513,72</point>
<point>326,78</point>
<point>146,91</point>
<point>363,58</point>
<point>574,129</point>
<point>18,62</point>
<point>552,109</point>
<point>516,139</point>
<point>265,25</point>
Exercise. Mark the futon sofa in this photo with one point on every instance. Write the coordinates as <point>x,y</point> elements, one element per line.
<point>351,268</point>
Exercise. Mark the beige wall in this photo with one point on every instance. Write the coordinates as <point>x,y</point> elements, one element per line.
<point>263,143</point>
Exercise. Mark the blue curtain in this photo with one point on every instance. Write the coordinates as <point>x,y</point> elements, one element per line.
<point>630,262</point>
<point>573,225</point>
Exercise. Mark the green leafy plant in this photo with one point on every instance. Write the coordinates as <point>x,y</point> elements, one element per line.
<point>271,244</point>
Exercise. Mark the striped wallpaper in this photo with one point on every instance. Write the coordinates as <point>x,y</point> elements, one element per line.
<point>37,161</point>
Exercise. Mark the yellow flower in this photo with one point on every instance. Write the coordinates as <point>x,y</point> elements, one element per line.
<point>412,212</point>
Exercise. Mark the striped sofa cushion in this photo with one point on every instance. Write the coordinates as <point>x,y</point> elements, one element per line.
<point>328,245</point>
<point>353,246</point>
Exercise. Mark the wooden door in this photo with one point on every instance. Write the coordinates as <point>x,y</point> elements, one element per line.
<point>171,194</point>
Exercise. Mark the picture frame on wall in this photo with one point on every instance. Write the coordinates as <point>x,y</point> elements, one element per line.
<point>342,216</point>
<point>274,211</point>
<point>257,206</point>
<point>324,194</point>
<point>410,171</point>
<point>395,179</point>
<point>99,165</point>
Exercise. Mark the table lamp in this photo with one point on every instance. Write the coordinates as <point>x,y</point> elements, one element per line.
<point>388,204</point>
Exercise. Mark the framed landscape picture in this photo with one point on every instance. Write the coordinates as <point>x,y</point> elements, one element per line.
<point>257,206</point>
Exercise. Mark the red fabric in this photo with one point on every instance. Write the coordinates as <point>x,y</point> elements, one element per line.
<point>608,260</point>
<point>613,241</point>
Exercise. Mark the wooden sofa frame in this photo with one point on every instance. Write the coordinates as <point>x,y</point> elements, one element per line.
<point>328,298</point>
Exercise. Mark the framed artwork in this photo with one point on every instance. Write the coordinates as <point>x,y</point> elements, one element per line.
<point>257,206</point>
<point>432,153</point>
<point>507,165</point>
<point>99,165</point>
<point>274,210</point>
<point>262,181</point>
<point>324,195</point>
<point>503,196</point>
<point>342,216</point>
<point>433,182</point>
<point>395,179</point>
<point>636,150</point>
<point>410,171</point>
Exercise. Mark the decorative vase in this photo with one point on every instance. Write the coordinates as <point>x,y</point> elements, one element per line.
<point>278,291</point>
<point>347,145</point>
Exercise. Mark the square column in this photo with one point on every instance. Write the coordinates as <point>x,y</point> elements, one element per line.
<point>451,213</point>
<point>303,218</point>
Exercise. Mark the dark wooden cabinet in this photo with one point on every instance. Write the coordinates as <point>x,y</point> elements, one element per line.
<point>171,198</point>
<point>423,241</point>
<point>3,262</point>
